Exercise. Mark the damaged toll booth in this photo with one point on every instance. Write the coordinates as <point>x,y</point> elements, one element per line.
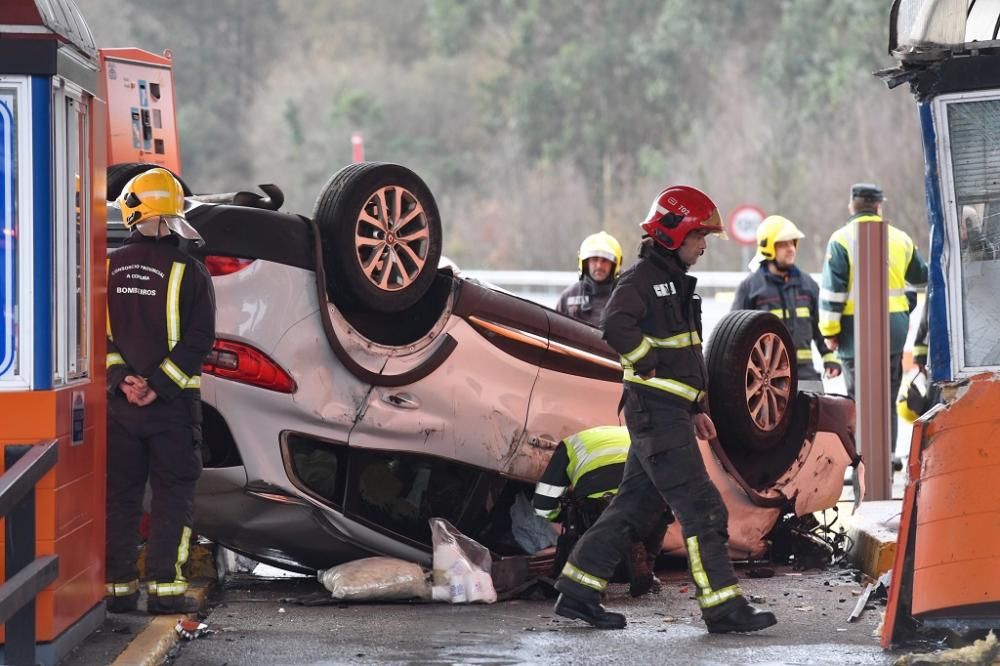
<point>52,340</point>
<point>946,577</point>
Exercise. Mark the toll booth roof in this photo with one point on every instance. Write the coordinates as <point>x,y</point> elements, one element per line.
<point>59,18</point>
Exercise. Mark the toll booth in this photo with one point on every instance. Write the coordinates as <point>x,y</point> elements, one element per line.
<point>52,302</point>
<point>139,91</point>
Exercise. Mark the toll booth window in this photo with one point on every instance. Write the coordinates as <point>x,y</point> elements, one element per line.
<point>72,232</point>
<point>10,367</point>
<point>400,492</point>
<point>974,135</point>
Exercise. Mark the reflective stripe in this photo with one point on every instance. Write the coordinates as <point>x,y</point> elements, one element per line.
<point>584,578</point>
<point>831,357</point>
<point>639,352</point>
<point>801,311</point>
<point>114,359</point>
<point>603,493</point>
<point>588,451</point>
<point>867,218</point>
<point>804,354</point>
<point>174,303</point>
<point>668,385</point>
<point>547,515</point>
<point>688,339</point>
<point>707,597</point>
<point>697,568</point>
<point>778,312</point>
<point>107,310</point>
<point>833,296</point>
<point>175,373</point>
<point>121,589</point>
<point>183,550</point>
<point>168,589</point>
<point>193,382</point>
<point>546,490</point>
<point>719,596</point>
<point>920,350</point>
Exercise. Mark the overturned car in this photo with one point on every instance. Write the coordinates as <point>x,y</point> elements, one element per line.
<point>356,389</point>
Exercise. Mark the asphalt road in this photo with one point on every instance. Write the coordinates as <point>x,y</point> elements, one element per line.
<point>261,624</point>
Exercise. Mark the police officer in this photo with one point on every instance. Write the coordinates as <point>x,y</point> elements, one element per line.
<point>600,260</point>
<point>161,325</point>
<point>654,321</point>
<point>778,286</point>
<point>836,304</point>
<point>587,467</point>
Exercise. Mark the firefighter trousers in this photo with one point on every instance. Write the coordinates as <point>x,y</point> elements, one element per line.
<point>664,469</point>
<point>160,444</point>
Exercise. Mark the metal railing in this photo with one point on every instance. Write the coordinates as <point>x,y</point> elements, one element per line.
<point>25,575</point>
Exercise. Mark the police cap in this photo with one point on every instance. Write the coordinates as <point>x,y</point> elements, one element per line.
<point>867,191</point>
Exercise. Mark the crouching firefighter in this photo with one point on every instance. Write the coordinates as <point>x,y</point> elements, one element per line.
<point>653,321</point>
<point>161,325</point>
<point>582,476</point>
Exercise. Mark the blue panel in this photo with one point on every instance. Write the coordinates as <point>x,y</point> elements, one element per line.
<point>937,294</point>
<point>41,228</point>
<point>8,241</point>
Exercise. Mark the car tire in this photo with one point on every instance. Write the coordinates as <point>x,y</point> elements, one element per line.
<point>752,379</point>
<point>369,264</point>
<point>119,174</point>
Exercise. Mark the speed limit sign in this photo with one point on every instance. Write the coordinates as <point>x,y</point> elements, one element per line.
<point>743,223</point>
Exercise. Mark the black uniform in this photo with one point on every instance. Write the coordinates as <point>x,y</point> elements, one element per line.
<point>585,299</point>
<point>654,321</point>
<point>161,325</point>
<point>795,300</point>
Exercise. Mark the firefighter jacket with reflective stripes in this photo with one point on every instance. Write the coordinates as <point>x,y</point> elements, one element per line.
<point>837,295</point>
<point>920,340</point>
<point>589,463</point>
<point>793,298</point>
<point>653,320</point>
<point>161,315</point>
<point>586,300</point>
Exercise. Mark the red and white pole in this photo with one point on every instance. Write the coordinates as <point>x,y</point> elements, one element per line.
<point>357,147</point>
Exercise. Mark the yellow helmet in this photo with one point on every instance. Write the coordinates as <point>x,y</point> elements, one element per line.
<point>773,230</point>
<point>155,194</point>
<point>601,244</point>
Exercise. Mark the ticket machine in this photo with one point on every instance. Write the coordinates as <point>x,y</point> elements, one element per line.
<point>52,299</point>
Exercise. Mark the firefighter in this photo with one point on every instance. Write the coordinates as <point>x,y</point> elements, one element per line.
<point>584,473</point>
<point>836,303</point>
<point>161,325</point>
<point>778,286</point>
<point>599,262</point>
<point>653,321</point>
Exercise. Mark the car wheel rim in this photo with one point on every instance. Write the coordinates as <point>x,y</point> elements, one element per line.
<point>769,381</point>
<point>392,238</point>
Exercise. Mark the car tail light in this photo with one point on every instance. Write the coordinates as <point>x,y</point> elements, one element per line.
<point>242,363</point>
<point>219,265</point>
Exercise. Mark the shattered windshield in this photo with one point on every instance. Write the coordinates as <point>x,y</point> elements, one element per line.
<point>974,133</point>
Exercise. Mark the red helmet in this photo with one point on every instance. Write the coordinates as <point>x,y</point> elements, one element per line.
<point>676,212</point>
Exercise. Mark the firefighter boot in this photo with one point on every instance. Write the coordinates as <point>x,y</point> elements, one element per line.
<point>591,613</point>
<point>167,604</point>
<point>640,574</point>
<point>741,619</point>
<point>123,604</point>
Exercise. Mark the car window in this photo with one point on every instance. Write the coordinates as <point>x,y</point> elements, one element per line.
<point>400,492</point>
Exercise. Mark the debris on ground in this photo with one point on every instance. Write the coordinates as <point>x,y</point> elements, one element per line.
<point>984,651</point>
<point>462,566</point>
<point>191,629</point>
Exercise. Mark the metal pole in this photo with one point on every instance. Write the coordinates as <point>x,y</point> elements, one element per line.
<point>19,553</point>
<point>871,334</point>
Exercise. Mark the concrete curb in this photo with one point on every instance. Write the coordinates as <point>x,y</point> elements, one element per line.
<point>151,646</point>
<point>874,529</point>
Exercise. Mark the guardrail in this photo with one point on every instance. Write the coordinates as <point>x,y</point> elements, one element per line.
<point>25,575</point>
